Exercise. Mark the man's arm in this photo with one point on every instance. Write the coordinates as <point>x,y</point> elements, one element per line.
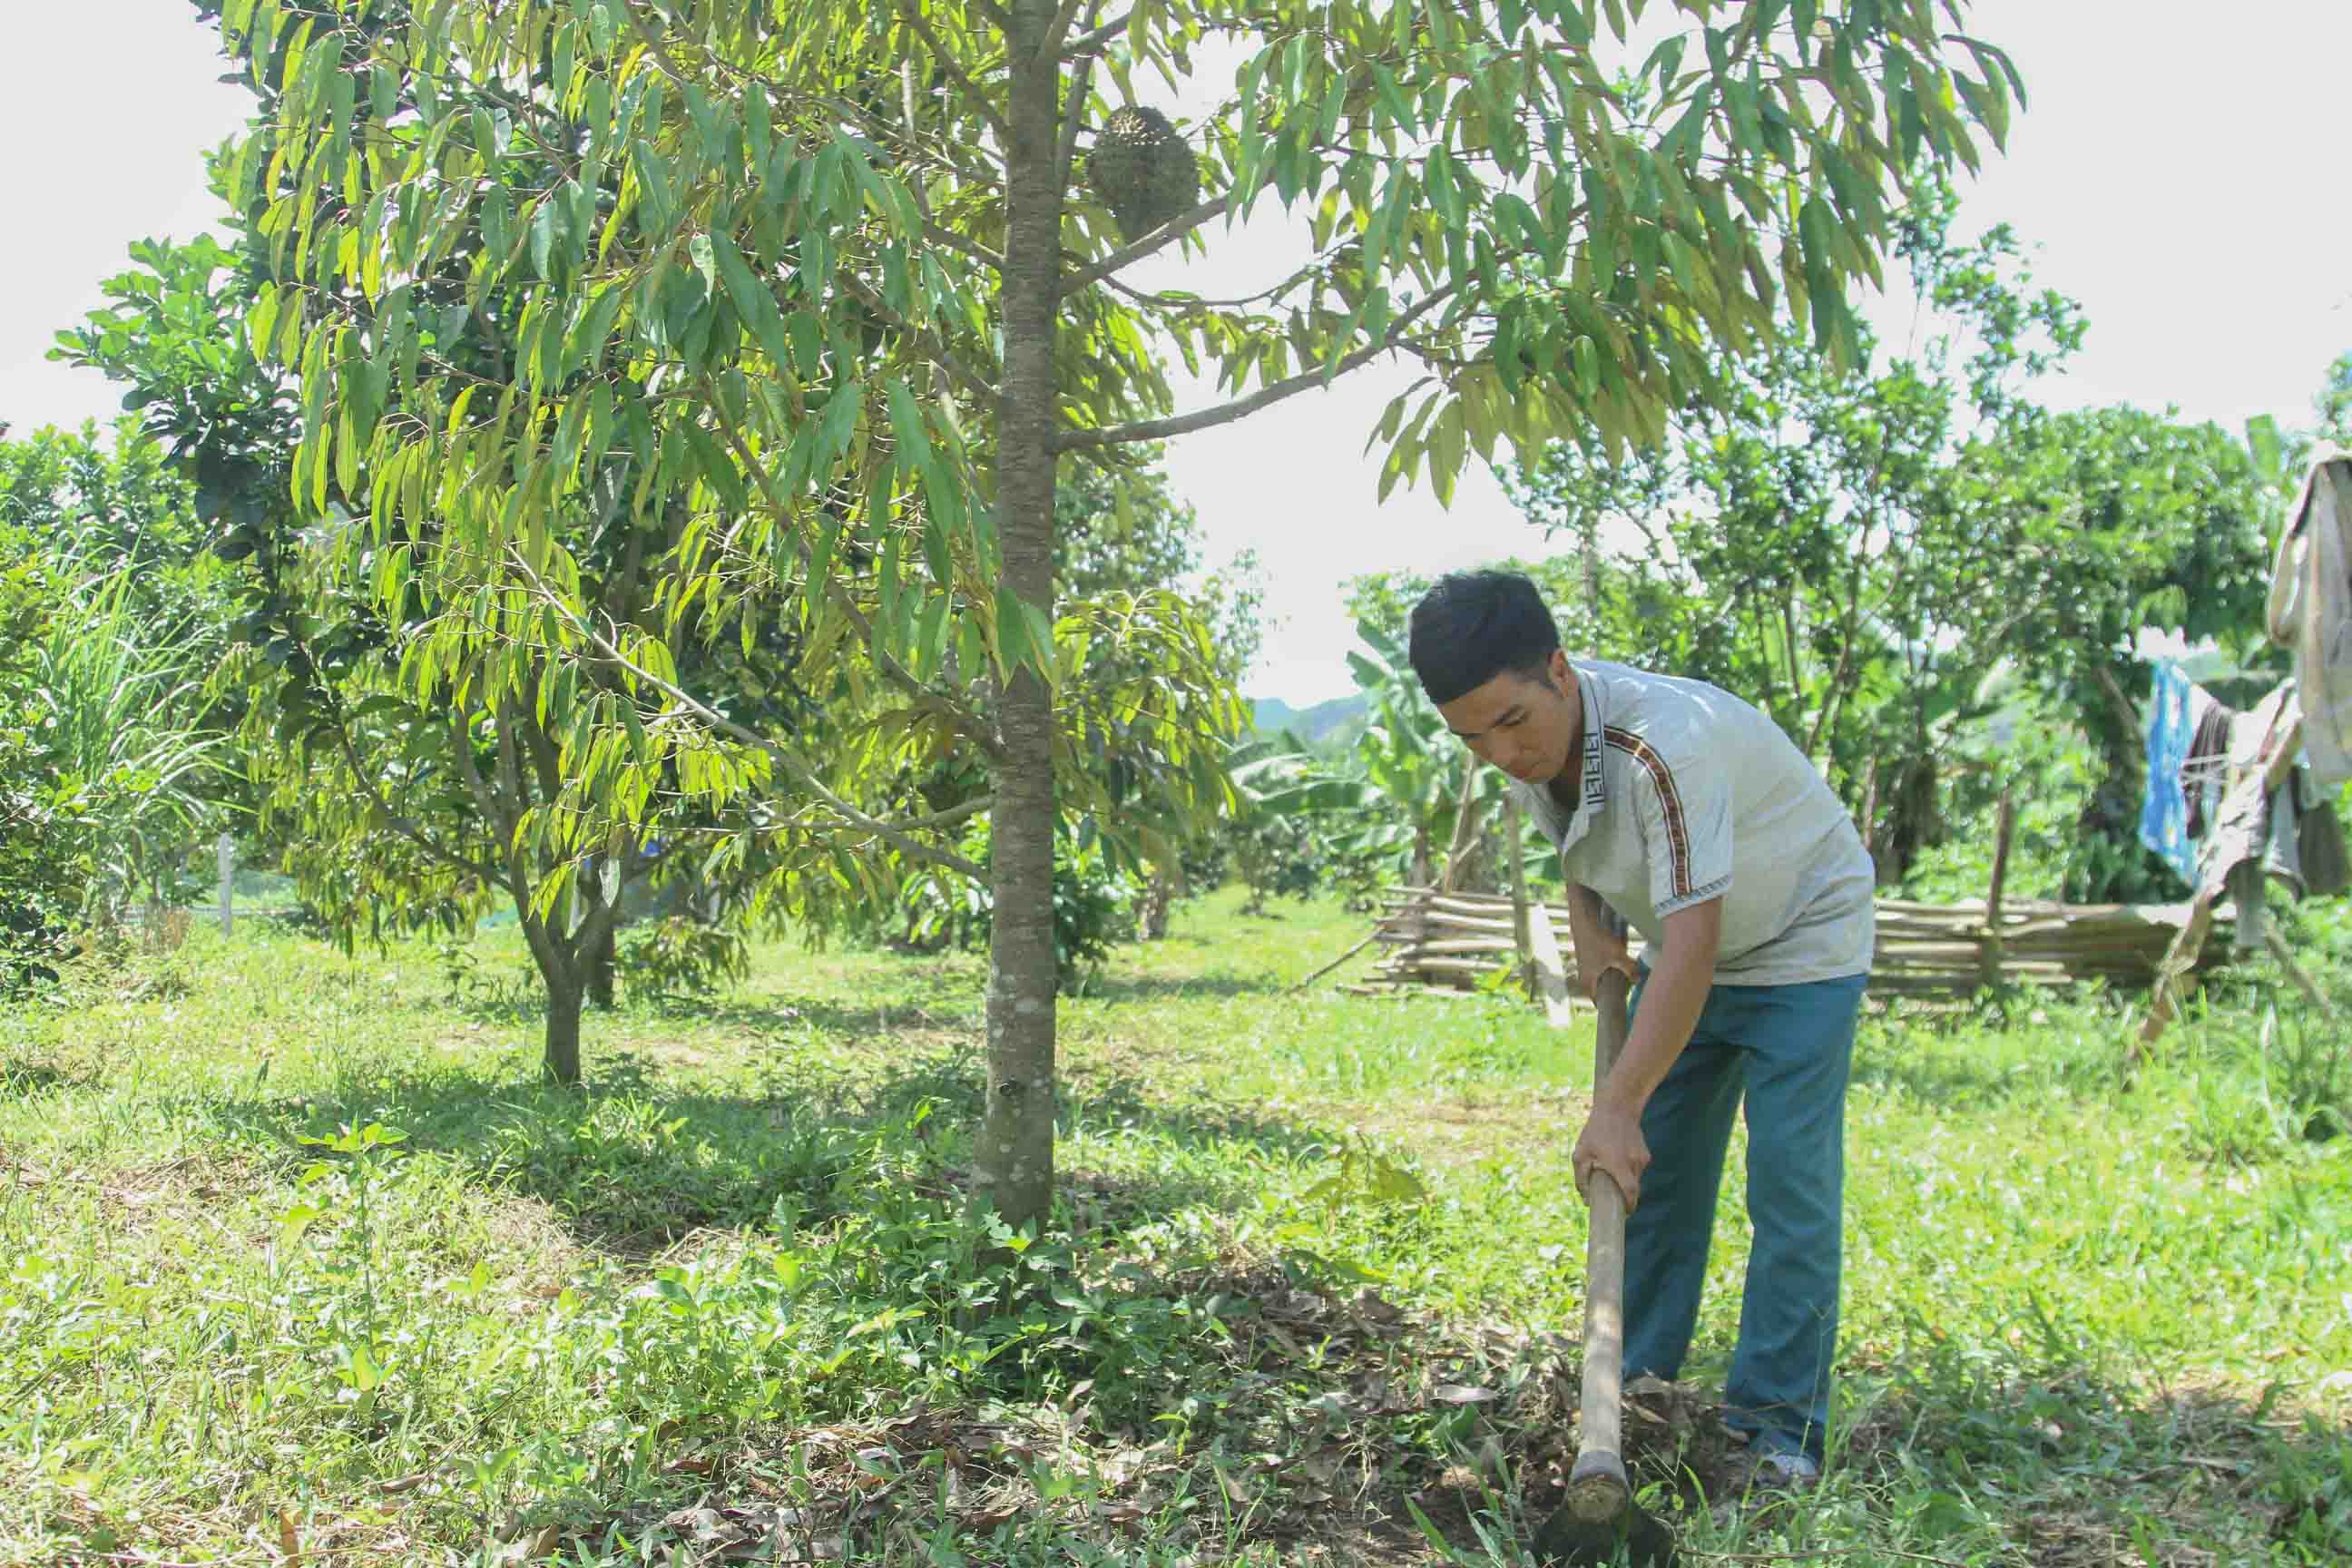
<point>1591,931</point>
<point>1671,1004</point>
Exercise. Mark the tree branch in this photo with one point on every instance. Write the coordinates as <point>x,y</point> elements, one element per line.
<point>963,723</point>
<point>935,346</point>
<point>1164,300</point>
<point>653,41</point>
<point>799,771</point>
<point>954,815</point>
<point>1064,20</point>
<point>604,914</point>
<point>398,823</point>
<point>1160,238</point>
<point>898,675</point>
<point>509,776</point>
<point>938,235</point>
<point>544,760</point>
<point>1276,392</point>
<point>486,801</point>
<point>1081,87</point>
<point>918,152</point>
<point>913,13</point>
<point>1091,43</point>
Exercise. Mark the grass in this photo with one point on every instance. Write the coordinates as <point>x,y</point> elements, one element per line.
<point>299,1263</point>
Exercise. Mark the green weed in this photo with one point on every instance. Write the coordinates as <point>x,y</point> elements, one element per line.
<point>309,1249</point>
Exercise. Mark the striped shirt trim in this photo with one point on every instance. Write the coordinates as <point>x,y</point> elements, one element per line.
<point>1670,800</point>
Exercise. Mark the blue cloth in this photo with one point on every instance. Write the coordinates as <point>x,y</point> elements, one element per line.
<point>1787,1051</point>
<point>2164,816</point>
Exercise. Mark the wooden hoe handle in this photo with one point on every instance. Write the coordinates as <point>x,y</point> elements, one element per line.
<point>1598,1487</point>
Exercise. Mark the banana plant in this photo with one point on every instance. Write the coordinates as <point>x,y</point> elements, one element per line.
<point>1395,799</point>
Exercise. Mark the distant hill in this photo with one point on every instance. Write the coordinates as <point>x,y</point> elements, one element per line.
<point>1312,725</point>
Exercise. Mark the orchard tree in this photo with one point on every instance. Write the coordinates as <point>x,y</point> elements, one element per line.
<point>1860,553</point>
<point>844,284</point>
<point>392,804</point>
<point>1805,538</point>
<point>2101,524</point>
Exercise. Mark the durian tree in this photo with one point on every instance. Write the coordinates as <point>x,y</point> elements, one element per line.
<point>849,284</point>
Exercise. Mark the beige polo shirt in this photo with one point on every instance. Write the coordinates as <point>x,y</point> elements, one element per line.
<point>1684,793</point>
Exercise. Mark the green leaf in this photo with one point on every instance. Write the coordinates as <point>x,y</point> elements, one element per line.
<point>840,423</point>
<point>928,636</point>
<point>261,323</point>
<point>755,304</point>
<point>2269,450</point>
<point>543,239</point>
<point>914,442</point>
<point>715,467</point>
<point>347,454</point>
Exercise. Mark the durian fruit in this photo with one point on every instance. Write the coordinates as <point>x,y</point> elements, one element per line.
<point>1142,171</point>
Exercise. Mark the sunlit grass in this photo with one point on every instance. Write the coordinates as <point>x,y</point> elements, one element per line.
<point>2083,1325</point>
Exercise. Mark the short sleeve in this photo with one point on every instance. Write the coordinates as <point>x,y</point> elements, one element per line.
<point>1686,815</point>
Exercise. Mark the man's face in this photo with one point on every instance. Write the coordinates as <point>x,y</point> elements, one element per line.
<point>1522,725</point>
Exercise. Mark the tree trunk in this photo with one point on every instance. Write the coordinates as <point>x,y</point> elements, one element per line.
<point>1591,553</point>
<point>1013,1165</point>
<point>1912,823</point>
<point>601,965</point>
<point>1465,827</point>
<point>1160,900</point>
<point>561,976</point>
<point>1789,640</point>
<point>561,1061</point>
<point>2112,810</point>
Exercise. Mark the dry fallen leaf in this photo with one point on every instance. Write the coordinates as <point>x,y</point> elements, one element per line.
<point>1462,1393</point>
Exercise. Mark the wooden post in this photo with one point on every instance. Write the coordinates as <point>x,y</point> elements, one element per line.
<point>1466,822</point>
<point>1870,809</point>
<point>2172,972</point>
<point>227,852</point>
<point>2294,971</point>
<point>1991,945</point>
<point>1511,818</point>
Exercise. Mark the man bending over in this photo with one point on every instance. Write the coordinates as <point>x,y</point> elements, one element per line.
<point>1686,814</point>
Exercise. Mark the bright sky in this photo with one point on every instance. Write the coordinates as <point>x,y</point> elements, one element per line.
<point>2176,171</point>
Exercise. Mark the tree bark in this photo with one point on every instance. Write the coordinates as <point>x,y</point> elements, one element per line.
<point>562,1052</point>
<point>1166,883</point>
<point>1465,824</point>
<point>601,965</point>
<point>1013,1165</point>
<point>1789,641</point>
<point>1590,529</point>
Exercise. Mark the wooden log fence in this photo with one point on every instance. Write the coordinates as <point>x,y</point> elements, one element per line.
<point>1453,942</point>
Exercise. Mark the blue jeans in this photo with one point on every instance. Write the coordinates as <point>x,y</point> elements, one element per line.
<point>1787,1049</point>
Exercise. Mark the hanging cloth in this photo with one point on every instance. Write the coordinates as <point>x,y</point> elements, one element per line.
<point>2206,775</point>
<point>2171,728</point>
<point>2310,611</point>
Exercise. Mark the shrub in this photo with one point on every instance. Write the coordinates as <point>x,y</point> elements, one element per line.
<point>1096,903</point>
<point>677,955</point>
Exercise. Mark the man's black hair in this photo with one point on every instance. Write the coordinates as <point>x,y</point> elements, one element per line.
<point>1472,626</point>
